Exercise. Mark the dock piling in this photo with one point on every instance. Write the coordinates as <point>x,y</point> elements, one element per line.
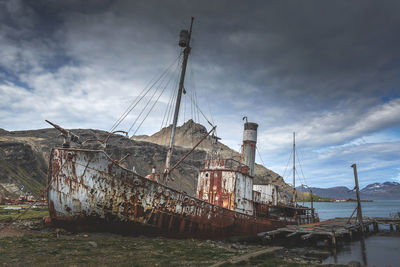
<point>376,228</point>
<point>333,239</point>
<point>359,211</point>
<point>351,234</point>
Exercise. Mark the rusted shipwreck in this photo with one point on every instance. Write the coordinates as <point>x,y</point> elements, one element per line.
<point>89,190</point>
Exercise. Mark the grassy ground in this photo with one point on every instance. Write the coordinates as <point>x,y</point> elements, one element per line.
<point>267,260</point>
<point>52,247</point>
<point>34,213</point>
<point>102,249</point>
<point>46,249</point>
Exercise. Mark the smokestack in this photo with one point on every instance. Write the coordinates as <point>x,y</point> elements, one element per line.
<point>249,145</point>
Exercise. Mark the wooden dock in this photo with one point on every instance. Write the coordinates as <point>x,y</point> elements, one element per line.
<point>331,230</point>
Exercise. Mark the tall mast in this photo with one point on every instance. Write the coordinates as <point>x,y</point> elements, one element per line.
<point>184,42</point>
<point>294,168</point>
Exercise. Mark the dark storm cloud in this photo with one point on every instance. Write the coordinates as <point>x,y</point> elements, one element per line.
<point>308,51</point>
<point>328,70</point>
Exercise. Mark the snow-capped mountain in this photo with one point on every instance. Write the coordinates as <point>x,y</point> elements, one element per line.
<point>387,190</point>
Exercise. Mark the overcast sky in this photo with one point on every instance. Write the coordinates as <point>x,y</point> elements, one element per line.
<point>328,70</point>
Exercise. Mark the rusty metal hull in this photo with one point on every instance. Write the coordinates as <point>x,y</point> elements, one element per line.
<point>86,187</point>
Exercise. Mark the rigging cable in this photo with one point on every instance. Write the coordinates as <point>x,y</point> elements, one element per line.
<point>140,96</point>
<point>209,110</point>
<point>155,102</point>
<point>184,108</point>
<point>287,164</point>
<point>168,111</point>
<point>259,155</point>
<point>148,102</point>
<point>301,168</point>
<point>190,93</point>
<point>141,112</point>
<point>298,175</point>
<point>202,113</point>
<point>168,108</point>
<point>170,102</point>
<point>170,114</point>
<point>173,104</point>
<point>191,105</point>
<point>116,123</point>
<point>194,91</point>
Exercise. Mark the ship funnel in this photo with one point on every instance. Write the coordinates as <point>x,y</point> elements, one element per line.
<point>249,145</point>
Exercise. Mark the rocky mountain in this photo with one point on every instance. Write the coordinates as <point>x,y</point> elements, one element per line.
<point>375,191</point>
<point>187,135</point>
<point>24,156</point>
<point>387,190</point>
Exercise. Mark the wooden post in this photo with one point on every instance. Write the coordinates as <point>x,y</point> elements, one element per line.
<point>376,227</point>
<point>333,240</point>
<point>359,211</point>
<point>391,227</point>
<point>351,234</point>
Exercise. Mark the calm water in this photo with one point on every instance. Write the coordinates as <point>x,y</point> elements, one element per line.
<point>378,208</point>
<point>374,250</point>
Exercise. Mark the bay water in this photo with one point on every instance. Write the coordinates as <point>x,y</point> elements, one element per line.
<point>374,250</point>
<point>377,208</point>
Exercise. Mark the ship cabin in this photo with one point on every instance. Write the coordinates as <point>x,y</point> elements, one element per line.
<point>229,183</point>
<point>226,183</point>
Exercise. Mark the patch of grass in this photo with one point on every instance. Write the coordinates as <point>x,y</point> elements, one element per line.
<point>46,249</point>
<point>34,213</point>
<point>267,259</point>
<point>271,260</point>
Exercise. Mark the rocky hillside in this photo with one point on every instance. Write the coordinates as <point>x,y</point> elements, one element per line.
<point>23,166</point>
<point>24,156</point>
<point>190,133</point>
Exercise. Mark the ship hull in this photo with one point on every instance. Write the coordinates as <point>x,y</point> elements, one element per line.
<point>88,190</point>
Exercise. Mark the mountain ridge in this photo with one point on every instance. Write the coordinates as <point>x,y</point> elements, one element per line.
<point>188,134</point>
<point>375,191</point>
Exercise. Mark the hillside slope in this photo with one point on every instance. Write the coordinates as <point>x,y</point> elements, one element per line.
<point>24,156</point>
<point>187,135</point>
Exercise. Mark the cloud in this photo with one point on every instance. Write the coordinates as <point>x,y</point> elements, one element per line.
<point>333,128</point>
<point>327,71</point>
